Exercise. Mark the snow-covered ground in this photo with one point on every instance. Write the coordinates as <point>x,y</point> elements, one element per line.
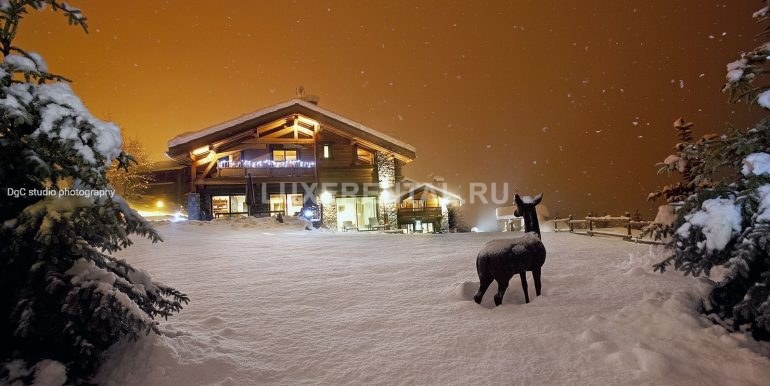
<point>281,305</point>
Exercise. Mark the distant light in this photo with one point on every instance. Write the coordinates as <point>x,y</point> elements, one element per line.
<point>308,213</point>
<point>178,216</point>
<point>475,229</point>
<point>387,196</point>
<point>159,204</point>
<point>326,197</point>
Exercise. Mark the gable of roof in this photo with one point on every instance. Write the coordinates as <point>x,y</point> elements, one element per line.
<point>443,193</point>
<point>184,143</point>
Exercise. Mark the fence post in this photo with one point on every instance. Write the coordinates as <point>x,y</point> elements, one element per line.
<point>571,226</point>
<point>628,214</point>
<point>590,223</point>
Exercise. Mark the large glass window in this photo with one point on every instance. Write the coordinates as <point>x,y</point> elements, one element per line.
<point>294,203</point>
<point>229,205</point>
<point>280,155</point>
<point>278,203</point>
<point>356,212</point>
<point>220,204</point>
<point>238,204</point>
<point>287,204</point>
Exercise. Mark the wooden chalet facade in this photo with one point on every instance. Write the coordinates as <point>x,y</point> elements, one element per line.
<point>289,158</point>
<point>424,207</point>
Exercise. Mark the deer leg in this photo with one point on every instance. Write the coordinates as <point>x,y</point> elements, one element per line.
<point>536,275</point>
<point>483,285</point>
<point>523,276</point>
<point>501,287</point>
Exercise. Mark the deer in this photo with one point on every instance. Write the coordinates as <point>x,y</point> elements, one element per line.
<point>500,259</point>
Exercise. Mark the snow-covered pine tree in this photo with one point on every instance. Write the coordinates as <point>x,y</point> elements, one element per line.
<point>683,162</point>
<point>727,222</point>
<point>131,182</point>
<point>63,299</point>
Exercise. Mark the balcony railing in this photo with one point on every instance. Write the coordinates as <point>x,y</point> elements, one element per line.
<point>293,164</point>
<point>266,168</point>
<point>420,212</point>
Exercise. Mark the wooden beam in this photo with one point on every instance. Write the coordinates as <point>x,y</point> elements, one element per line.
<point>208,168</point>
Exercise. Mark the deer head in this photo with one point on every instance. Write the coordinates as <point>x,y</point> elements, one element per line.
<point>525,207</point>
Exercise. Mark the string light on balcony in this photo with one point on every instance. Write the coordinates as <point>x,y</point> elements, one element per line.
<point>266,164</point>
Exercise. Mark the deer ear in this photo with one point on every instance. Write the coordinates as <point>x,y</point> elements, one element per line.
<point>537,199</point>
<point>517,199</point>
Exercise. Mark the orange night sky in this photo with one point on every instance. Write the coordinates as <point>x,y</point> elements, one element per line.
<point>572,98</point>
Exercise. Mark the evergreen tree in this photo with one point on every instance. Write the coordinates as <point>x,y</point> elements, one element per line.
<point>63,298</point>
<point>724,215</point>
<point>685,162</point>
<point>131,182</point>
<point>456,218</point>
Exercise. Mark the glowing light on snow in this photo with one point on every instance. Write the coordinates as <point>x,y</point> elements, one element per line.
<point>475,229</point>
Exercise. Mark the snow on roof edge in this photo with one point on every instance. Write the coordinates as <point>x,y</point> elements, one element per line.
<point>430,186</point>
<point>190,136</point>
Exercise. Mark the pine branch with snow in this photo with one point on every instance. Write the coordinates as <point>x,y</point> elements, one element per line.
<point>724,208</point>
<point>64,298</point>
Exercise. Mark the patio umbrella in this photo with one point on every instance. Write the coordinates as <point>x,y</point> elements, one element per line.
<point>250,201</point>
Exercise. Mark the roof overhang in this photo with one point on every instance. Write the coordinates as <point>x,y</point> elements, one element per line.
<point>181,146</point>
<point>443,193</point>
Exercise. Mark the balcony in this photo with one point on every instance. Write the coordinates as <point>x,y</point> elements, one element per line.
<point>267,169</point>
<point>409,213</point>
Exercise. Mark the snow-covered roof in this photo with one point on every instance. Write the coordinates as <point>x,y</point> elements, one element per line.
<point>191,136</point>
<point>430,187</point>
<point>165,165</point>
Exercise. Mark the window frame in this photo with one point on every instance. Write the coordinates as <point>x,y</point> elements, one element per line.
<point>284,151</point>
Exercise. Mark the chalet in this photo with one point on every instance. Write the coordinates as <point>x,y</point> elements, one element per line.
<point>296,157</point>
<point>424,207</point>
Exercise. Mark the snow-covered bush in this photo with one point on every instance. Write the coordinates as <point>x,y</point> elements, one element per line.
<point>63,299</point>
<point>724,210</point>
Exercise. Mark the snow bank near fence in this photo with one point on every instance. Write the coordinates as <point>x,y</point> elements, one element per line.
<point>350,308</point>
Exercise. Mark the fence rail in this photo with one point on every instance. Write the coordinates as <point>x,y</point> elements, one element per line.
<point>592,225</point>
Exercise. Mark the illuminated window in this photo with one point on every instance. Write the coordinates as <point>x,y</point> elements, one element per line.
<point>364,156</point>
<point>327,151</point>
<point>286,204</point>
<point>229,205</point>
<point>284,155</point>
<point>220,204</point>
<point>277,203</point>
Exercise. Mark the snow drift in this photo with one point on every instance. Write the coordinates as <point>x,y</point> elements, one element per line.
<point>288,306</point>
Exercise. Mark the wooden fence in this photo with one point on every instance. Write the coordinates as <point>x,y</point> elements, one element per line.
<point>592,225</point>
